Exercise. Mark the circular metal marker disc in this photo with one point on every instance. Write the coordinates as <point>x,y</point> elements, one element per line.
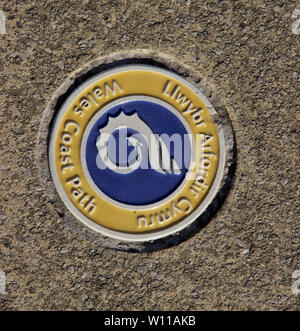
<point>135,153</point>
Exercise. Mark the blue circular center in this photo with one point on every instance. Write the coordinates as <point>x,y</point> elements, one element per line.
<point>145,184</point>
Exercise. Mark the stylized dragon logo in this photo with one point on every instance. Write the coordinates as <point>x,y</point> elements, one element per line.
<point>154,150</point>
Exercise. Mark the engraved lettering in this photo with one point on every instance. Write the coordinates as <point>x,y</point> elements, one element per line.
<point>77,192</point>
<point>67,167</point>
<point>162,218</point>
<point>69,122</point>
<point>64,149</point>
<point>74,180</point>
<point>185,201</point>
<point>81,197</point>
<point>140,220</point>
<point>93,100</point>
<point>98,92</point>
<point>174,91</point>
<point>204,155</point>
<point>112,90</point>
<point>85,103</point>
<point>175,209</point>
<point>182,99</point>
<point>183,205</point>
<point>165,91</point>
<point>66,137</point>
<point>90,205</point>
<point>185,103</point>
<point>78,111</point>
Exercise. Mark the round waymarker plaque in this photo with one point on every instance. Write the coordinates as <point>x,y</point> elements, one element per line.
<point>135,153</point>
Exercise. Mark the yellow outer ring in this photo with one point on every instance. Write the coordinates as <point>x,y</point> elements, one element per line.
<point>73,123</point>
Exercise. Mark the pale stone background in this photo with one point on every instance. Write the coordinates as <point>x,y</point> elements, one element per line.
<point>244,258</point>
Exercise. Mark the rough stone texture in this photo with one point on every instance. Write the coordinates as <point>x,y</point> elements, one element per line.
<point>244,258</point>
